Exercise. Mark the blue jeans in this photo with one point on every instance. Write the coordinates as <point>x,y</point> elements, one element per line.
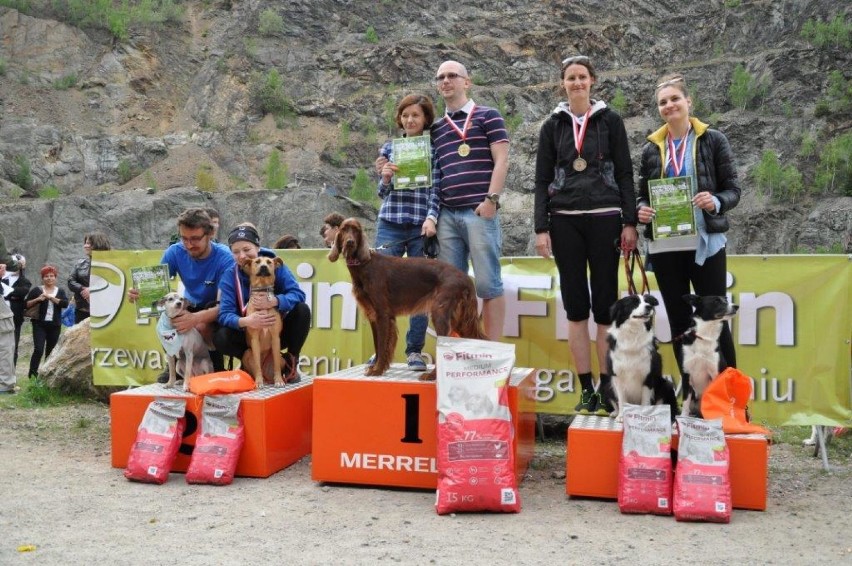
<point>395,234</point>
<point>462,235</point>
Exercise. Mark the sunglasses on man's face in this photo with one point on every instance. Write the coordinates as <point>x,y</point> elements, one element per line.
<point>449,76</point>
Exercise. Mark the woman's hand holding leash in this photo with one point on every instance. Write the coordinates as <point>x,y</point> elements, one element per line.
<point>629,237</point>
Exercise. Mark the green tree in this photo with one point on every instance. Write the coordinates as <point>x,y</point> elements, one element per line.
<point>276,172</point>
<point>780,183</point>
<point>267,93</point>
<point>619,102</point>
<point>370,36</point>
<point>834,171</point>
<point>271,23</point>
<point>363,189</point>
<point>744,88</point>
<point>836,33</point>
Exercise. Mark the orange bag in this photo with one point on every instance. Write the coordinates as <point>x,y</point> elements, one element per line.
<point>222,383</point>
<point>727,398</point>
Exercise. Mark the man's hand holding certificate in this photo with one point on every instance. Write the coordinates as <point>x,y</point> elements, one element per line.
<point>413,158</point>
<point>152,282</point>
<point>671,198</point>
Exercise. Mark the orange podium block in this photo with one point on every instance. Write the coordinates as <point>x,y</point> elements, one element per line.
<point>592,462</point>
<point>277,425</point>
<point>383,430</point>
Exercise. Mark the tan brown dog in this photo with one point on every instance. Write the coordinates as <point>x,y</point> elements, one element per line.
<point>386,286</point>
<point>264,341</point>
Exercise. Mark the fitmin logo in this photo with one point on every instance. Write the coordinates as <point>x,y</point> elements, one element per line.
<point>449,356</point>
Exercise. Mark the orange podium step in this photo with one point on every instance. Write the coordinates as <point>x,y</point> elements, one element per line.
<point>383,430</point>
<point>592,462</point>
<point>277,425</point>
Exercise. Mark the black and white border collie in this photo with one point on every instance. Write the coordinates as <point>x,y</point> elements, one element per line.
<point>632,358</point>
<point>702,360</point>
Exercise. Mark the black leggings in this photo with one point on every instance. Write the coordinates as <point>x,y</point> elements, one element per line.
<point>674,272</point>
<point>297,324</point>
<point>45,337</point>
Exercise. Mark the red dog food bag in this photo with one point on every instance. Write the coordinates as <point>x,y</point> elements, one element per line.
<point>218,444</point>
<point>645,463</point>
<point>476,464</point>
<point>157,441</point>
<point>702,486</point>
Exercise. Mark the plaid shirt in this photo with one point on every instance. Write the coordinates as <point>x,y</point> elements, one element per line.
<point>409,207</point>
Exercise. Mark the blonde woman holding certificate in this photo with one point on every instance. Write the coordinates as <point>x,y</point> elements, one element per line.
<point>408,214</point>
<point>686,147</point>
<point>585,211</point>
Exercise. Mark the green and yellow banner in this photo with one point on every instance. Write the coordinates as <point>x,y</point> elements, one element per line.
<point>792,330</point>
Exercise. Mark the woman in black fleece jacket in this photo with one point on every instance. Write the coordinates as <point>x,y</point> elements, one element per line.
<point>585,212</point>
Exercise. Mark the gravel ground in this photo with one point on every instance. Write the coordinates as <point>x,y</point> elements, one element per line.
<point>63,503</point>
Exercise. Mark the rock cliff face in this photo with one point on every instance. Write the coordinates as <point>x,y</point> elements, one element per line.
<point>172,106</point>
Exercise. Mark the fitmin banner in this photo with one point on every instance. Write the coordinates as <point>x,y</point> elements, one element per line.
<point>792,331</point>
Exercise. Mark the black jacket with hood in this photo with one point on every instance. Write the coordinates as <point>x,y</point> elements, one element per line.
<point>607,180</point>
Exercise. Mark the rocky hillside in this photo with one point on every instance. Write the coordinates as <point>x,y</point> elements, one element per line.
<point>203,99</point>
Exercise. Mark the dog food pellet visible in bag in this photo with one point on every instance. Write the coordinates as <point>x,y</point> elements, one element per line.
<point>157,441</point>
<point>476,464</point>
<point>218,444</point>
<point>702,486</point>
<point>645,463</point>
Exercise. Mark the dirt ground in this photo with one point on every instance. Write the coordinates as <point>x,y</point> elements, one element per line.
<point>63,503</point>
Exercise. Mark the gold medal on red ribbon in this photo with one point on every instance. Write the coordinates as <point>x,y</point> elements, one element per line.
<point>579,137</point>
<point>464,149</point>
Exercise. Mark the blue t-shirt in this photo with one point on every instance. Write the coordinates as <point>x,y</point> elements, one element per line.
<point>200,277</point>
<point>286,289</point>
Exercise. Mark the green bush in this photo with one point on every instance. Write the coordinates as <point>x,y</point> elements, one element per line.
<point>370,36</point>
<point>836,33</point>
<point>775,181</point>
<point>834,171</point>
<point>276,172</point>
<point>267,93</point>
<point>125,171</point>
<point>271,23</point>
<point>390,114</point>
<point>2,67</point>
<point>49,192</point>
<point>363,189</point>
<point>512,121</point>
<point>745,88</point>
<point>65,82</point>
<point>150,181</point>
<point>24,177</point>
<point>204,178</point>
<point>619,102</point>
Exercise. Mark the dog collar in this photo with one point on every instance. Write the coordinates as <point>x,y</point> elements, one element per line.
<point>267,289</point>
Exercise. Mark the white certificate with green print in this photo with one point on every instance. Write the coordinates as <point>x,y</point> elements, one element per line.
<point>671,198</point>
<point>413,156</point>
<point>153,284</point>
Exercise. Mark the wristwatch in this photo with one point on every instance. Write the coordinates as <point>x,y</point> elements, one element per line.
<point>494,198</point>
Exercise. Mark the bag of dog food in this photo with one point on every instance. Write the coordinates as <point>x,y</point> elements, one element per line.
<point>219,442</point>
<point>702,486</point>
<point>476,464</point>
<point>645,463</point>
<point>157,441</point>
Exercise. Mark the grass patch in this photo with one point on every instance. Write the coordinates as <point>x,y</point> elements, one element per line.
<point>34,392</point>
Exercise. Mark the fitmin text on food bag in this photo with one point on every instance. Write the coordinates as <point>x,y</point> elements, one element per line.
<point>702,486</point>
<point>157,441</point>
<point>219,443</point>
<point>476,464</point>
<point>645,463</point>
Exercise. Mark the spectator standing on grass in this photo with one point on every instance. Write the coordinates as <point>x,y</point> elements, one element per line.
<point>18,287</point>
<point>8,379</point>
<point>51,299</point>
<point>78,282</point>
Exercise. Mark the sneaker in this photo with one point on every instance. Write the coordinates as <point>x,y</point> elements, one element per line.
<point>291,369</point>
<point>606,402</point>
<point>372,360</point>
<point>416,362</point>
<point>588,402</point>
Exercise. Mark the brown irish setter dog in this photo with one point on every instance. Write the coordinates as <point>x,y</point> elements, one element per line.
<point>387,287</point>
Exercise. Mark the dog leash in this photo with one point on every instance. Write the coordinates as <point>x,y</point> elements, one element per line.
<point>631,260</point>
<point>430,245</point>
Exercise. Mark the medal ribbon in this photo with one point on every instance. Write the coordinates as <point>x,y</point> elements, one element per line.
<point>580,130</point>
<point>463,132</point>
<point>677,156</point>
<point>242,305</point>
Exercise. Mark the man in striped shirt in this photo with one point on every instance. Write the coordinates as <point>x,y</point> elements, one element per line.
<point>471,147</point>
